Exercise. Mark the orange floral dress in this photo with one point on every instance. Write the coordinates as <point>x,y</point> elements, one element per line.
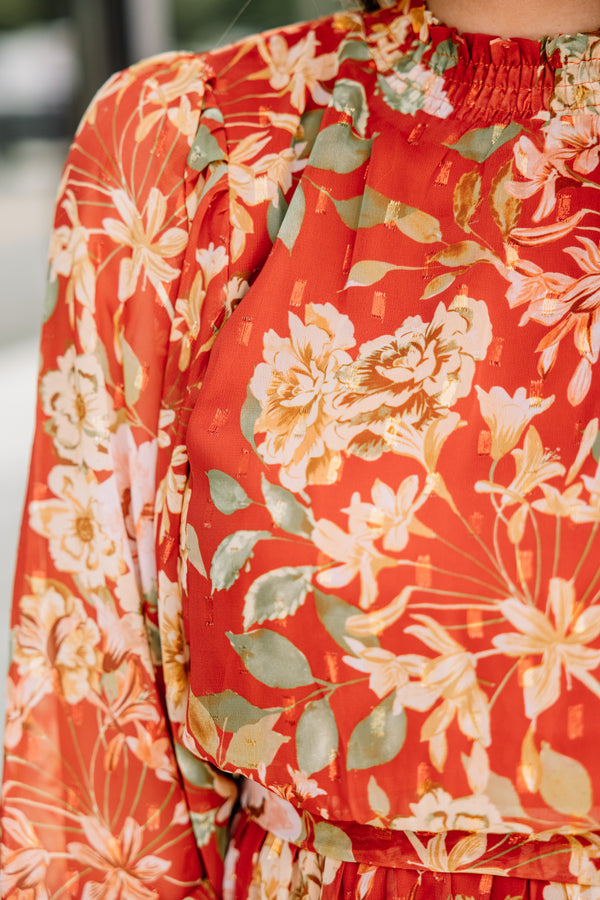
<point>308,598</point>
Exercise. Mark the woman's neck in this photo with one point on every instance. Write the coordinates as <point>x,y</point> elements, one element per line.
<point>519,18</point>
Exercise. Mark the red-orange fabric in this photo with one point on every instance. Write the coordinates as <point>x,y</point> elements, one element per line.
<point>308,580</point>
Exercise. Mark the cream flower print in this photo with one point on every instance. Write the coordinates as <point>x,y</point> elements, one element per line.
<point>22,870</point>
<point>303,785</point>
<point>151,244</point>
<point>507,417</point>
<point>135,475</point>
<point>175,649</point>
<point>298,69</point>
<point>356,555</point>
<point>388,672</point>
<point>391,515</point>
<point>72,523</point>
<point>463,855</point>
<point>438,811</point>
<point>533,467</point>
<point>295,387</point>
<point>416,374</point>
<point>571,148</point>
<point>69,257</point>
<point>126,873</point>
<point>561,641</point>
<point>75,397</point>
<point>56,640</point>
<point>452,677</point>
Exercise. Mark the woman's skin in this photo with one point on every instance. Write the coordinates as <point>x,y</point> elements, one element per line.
<point>519,18</point>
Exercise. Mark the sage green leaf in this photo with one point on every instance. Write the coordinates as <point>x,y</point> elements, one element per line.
<point>377,209</point>
<point>286,511</point>
<point>378,738</point>
<point>337,149</point>
<point>193,549</point>
<point>277,594</point>
<point>272,658</point>
<point>226,493</point>
<point>334,613</point>
<point>233,552</point>
<point>276,215</point>
<point>596,448</point>
<point>330,840</point>
<point>316,737</point>
<point>253,745</point>
<point>230,710</point>
<point>133,373</point>
<point>368,272</point>
<point>407,101</point>
<point>50,298</point>
<point>203,826</point>
<point>355,49</point>
<point>349,211</point>
<point>445,56</point>
<point>194,770</point>
<point>294,217</point>
<point>479,143</point>
<point>308,129</point>
<point>204,150</point>
<point>250,412</point>
<point>438,285</point>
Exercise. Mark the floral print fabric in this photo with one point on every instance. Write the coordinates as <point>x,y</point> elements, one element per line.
<point>307,596</point>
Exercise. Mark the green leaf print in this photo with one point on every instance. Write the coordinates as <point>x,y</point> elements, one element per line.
<point>287,512</point>
<point>445,56</point>
<point>377,209</point>
<point>50,299</point>
<point>338,150</point>
<point>194,770</point>
<point>250,412</point>
<point>193,548</point>
<point>233,552</point>
<point>230,710</point>
<point>332,841</point>
<point>316,737</point>
<point>276,215</point>
<point>226,493</point>
<point>133,373</point>
<point>378,738</point>
<point>277,594</point>
<point>308,129</point>
<point>253,745</point>
<point>479,143</point>
<point>204,150</point>
<point>292,222</point>
<point>368,272</point>
<point>355,49</point>
<point>272,658</point>
<point>334,613</point>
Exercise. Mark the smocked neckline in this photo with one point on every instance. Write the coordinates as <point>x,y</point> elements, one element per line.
<point>495,79</point>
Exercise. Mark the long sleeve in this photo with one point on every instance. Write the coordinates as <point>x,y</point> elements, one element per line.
<point>96,800</point>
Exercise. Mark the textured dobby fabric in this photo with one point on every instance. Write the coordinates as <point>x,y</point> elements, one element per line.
<point>308,598</point>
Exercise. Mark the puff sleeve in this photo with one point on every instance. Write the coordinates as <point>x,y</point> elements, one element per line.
<point>101,798</point>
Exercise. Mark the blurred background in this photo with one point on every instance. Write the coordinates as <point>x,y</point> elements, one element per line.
<point>54,54</point>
